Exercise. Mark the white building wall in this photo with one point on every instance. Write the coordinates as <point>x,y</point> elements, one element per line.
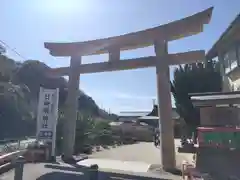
<point>237,85</point>
<point>228,85</point>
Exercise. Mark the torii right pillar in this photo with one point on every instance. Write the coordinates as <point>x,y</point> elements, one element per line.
<point>165,107</point>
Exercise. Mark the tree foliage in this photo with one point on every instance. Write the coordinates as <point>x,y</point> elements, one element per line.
<point>88,132</point>
<point>194,78</point>
<point>15,111</point>
<point>19,89</point>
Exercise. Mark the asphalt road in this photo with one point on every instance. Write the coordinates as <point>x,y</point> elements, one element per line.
<point>126,159</point>
<point>136,157</point>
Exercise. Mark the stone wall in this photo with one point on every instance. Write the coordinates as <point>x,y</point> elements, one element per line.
<point>220,116</point>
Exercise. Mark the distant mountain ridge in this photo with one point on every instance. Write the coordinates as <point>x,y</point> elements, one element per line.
<point>32,73</point>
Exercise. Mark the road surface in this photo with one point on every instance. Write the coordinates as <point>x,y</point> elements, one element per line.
<point>136,157</point>
<point>123,162</point>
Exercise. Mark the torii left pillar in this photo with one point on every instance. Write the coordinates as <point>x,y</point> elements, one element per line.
<point>165,106</point>
<point>71,108</point>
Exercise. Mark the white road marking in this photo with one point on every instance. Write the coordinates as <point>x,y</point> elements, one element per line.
<point>133,166</point>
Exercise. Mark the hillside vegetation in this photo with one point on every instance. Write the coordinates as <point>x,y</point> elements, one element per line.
<point>19,89</point>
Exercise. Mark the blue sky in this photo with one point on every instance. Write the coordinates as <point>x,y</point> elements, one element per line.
<point>27,24</point>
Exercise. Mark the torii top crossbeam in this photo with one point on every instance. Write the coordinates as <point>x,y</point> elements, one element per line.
<point>173,31</point>
<point>159,37</point>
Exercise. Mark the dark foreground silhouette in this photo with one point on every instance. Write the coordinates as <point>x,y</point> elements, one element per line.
<point>71,173</point>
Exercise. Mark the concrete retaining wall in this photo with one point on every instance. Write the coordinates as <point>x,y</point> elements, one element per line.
<point>221,162</point>
<point>220,116</point>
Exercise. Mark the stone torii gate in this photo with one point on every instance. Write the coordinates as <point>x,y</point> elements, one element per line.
<point>159,38</point>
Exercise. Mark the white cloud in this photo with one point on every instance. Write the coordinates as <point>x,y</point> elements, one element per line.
<point>113,94</point>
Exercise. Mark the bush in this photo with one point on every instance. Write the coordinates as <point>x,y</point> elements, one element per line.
<point>89,133</point>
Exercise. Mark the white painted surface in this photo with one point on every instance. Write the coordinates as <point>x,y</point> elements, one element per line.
<point>133,166</point>
<point>47,114</point>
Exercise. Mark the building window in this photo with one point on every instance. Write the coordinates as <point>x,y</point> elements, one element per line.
<point>230,60</point>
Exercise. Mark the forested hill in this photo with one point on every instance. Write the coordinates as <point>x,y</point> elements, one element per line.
<point>19,89</point>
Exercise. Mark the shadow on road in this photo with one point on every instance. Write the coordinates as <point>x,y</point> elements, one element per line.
<point>72,173</point>
<point>81,169</point>
<point>60,176</point>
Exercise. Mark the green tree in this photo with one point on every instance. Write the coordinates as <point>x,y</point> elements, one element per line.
<point>38,71</point>
<point>19,90</point>
<point>15,110</point>
<point>7,67</point>
<point>194,78</point>
<point>103,132</point>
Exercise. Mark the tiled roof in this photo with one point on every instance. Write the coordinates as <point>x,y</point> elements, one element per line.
<point>211,99</point>
<point>145,114</point>
<point>133,114</point>
<point>233,26</point>
<point>149,117</point>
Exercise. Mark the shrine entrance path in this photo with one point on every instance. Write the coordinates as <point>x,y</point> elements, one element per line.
<point>144,153</point>
<point>134,157</point>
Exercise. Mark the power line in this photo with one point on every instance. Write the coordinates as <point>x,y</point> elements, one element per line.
<point>12,49</point>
